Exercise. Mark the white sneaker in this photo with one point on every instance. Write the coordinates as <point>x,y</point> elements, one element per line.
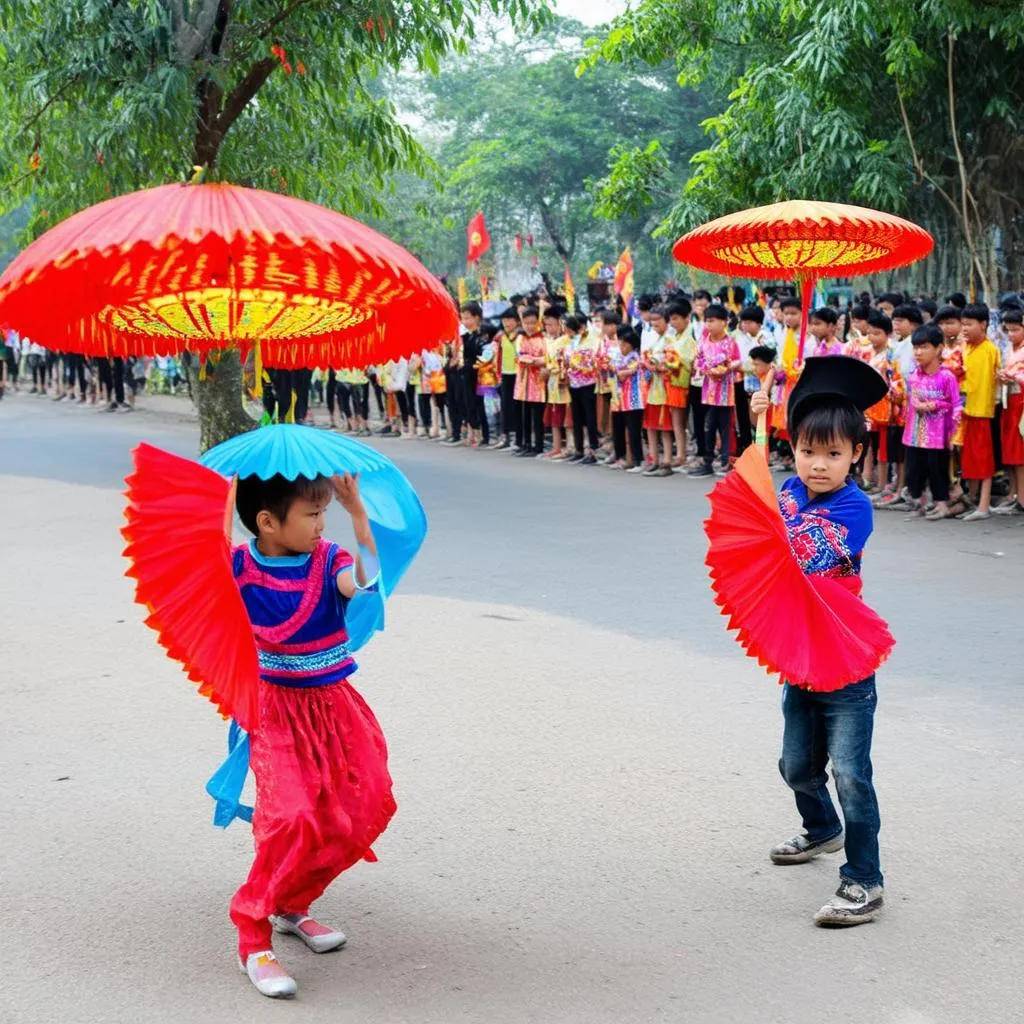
<point>852,904</point>
<point>267,974</point>
<point>318,937</point>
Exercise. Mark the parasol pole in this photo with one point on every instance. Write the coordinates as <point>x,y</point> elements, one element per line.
<point>806,298</point>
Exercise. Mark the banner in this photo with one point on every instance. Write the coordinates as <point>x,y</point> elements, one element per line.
<point>624,276</point>
<point>570,292</point>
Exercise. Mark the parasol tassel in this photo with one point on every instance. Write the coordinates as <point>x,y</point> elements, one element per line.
<point>806,298</point>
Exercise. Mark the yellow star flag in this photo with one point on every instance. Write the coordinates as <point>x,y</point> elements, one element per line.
<point>463,292</point>
<point>570,291</point>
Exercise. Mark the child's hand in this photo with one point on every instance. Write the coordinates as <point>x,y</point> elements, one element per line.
<point>346,490</point>
<point>759,403</point>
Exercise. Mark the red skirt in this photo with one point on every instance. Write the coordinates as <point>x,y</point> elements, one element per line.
<point>978,461</point>
<point>1009,427</point>
<point>657,417</point>
<point>323,796</point>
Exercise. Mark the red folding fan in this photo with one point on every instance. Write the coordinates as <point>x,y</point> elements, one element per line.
<point>179,543</point>
<point>812,630</point>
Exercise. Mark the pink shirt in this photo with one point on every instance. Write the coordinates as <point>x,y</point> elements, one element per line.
<point>717,390</point>
<point>931,429</point>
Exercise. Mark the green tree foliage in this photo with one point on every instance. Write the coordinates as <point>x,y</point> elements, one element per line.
<point>101,97</point>
<point>910,107</point>
<point>519,135</point>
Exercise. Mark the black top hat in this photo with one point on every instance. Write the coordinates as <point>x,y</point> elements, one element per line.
<point>827,379</point>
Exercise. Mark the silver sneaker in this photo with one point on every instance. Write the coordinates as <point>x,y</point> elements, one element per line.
<point>801,849</point>
<point>852,904</point>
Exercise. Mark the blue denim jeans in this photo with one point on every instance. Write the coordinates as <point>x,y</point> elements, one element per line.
<point>836,727</point>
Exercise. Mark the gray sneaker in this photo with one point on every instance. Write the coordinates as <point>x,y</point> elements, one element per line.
<point>801,849</point>
<point>852,904</point>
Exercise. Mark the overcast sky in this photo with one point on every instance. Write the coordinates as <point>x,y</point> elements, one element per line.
<point>590,12</point>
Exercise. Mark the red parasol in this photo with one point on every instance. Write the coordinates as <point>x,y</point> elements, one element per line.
<point>811,630</point>
<point>804,240</point>
<point>199,267</point>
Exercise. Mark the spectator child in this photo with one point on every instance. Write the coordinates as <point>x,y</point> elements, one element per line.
<point>933,407</point>
<point>1011,376</point>
<point>718,359</point>
<point>981,367</point>
<point>629,416</point>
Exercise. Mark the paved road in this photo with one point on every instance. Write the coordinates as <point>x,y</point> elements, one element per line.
<point>584,765</point>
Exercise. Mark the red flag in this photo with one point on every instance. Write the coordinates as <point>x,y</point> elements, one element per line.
<point>519,243</point>
<point>624,276</point>
<point>479,241</point>
<point>529,241</point>
<point>536,260</point>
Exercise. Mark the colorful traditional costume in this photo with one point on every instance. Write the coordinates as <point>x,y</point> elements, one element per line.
<point>271,641</point>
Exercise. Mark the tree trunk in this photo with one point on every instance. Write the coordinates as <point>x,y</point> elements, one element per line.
<point>218,398</point>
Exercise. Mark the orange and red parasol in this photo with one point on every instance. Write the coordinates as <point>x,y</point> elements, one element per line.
<point>200,267</point>
<point>803,240</point>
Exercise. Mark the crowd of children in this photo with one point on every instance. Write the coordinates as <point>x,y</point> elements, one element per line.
<point>670,393</point>
<point>664,393</point>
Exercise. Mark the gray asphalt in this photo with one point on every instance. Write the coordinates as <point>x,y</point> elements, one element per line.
<point>584,764</point>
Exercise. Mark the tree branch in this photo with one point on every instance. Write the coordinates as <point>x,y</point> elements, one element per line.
<point>242,94</point>
<point>189,38</point>
<point>49,103</point>
<point>280,17</point>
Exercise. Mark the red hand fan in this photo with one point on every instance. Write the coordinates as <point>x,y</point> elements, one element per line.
<point>814,631</point>
<point>179,543</point>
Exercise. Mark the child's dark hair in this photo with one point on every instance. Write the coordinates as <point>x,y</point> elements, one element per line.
<point>509,314</point>
<point>876,318</point>
<point>473,309</point>
<point>763,354</point>
<point>716,311</point>
<point>573,323</point>
<point>646,302</point>
<point>928,334</point>
<point>908,311</point>
<point>832,420</point>
<point>530,311</point>
<point>860,312</point>
<point>679,307</point>
<point>629,335</point>
<point>609,316</point>
<point>957,299</point>
<point>702,293</point>
<point>753,313</point>
<point>489,330</point>
<point>1013,316</point>
<point>975,311</point>
<point>659,311</point>
<point>825,314</point>
<point>928,306</point>
<point>789,302</point>
<point>947,313</point>
<point>276,496</point>
<point>894,298</point>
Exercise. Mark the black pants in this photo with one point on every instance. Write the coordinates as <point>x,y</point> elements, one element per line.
<point>378,394</point>
<point>631,423</point>
<point>441,405</point>
<point>403,405</point>
<point>697,406</point>
<point>742,417</point>
<point>117,369</point>
<point>361,400</point>
<point>105,379</point>
<point>584,412</point>
<point>410,400</point>
<point>74,370</point>
<point>456,403</point>
<point>717,420</point>
<point>931,464</point>
<point>533,427</point>
<point>511,410</point>
<point>426,419</point>
<point>302,382</point>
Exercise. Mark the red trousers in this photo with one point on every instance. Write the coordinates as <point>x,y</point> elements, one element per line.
<point>323,796</point>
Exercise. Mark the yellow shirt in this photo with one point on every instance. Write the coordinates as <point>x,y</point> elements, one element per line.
<point>981,362</point>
